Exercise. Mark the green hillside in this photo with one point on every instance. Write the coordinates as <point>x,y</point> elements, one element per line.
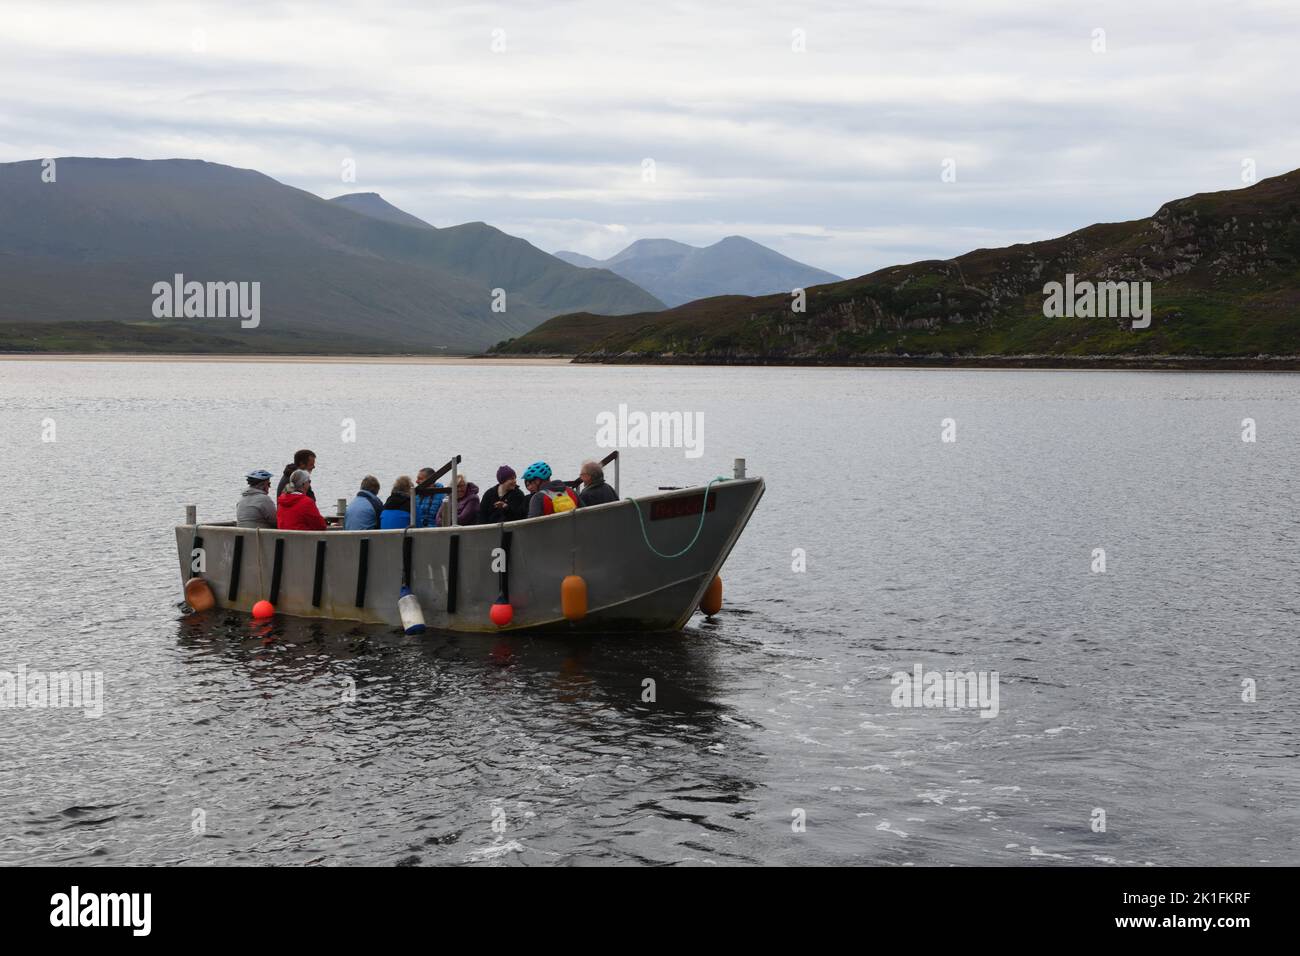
<point>1224,270</point>
<point>88,248</point>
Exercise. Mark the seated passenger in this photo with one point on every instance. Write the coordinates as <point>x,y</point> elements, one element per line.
<point>547,497</point>
<point>364,510</point>
<point>298,512</point>
<point>594,490</point>
<point>303,458</point>
<point>428,503</point>
<point>466,504</point>
<point>255,508</point>
<point>397,509</point>
<point>503,501</point>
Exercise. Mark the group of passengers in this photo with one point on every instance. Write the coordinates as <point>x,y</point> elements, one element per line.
<point>294,507</point>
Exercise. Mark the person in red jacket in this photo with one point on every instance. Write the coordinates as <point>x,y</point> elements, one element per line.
<point>296,510</point>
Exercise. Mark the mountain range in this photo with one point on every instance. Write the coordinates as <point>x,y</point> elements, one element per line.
<point>1223,268</point>
<point>677,273</point>
<point>81,254</point>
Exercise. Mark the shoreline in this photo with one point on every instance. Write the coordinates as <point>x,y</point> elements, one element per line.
<point>213,357</point>
<point>1151,363</point>
<point>1154,363</point>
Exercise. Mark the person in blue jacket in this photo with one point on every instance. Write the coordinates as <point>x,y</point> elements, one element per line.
<point>427,505</point>
<point>364,510</point>
<point>397,509</point>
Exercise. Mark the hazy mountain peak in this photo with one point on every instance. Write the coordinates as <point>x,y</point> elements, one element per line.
<point>374,205</point>
<point>677,272</point>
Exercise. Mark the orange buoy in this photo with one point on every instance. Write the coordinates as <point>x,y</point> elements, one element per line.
<point>711,603</point>
<point>573,597</point>
<point>502,614</point>
<point>198,595</point>
<point>263,610</point>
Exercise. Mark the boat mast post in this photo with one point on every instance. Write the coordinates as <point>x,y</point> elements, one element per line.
<point>738,468</point>
<point>191,514</point>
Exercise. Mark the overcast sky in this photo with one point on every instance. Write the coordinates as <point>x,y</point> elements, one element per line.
<point>832,155</point>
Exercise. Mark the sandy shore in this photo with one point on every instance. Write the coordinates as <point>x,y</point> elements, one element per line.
<point>294,359</point>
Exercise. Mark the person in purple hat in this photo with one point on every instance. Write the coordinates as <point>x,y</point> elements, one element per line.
<point>503,501</point>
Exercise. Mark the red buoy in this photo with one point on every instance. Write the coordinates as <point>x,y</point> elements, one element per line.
<point>501,614</point>
<point>263,610</point>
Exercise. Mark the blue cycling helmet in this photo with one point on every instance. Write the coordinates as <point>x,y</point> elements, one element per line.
<point>538,469</point>
<point>260,475</point>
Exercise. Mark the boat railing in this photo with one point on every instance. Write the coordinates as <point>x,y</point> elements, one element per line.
<point>612,457</point>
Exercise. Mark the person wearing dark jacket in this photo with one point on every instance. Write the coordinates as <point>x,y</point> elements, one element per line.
<point>303,458</point>
<point>503,501</point>
<point>594,490</point>
<point>297,511</point>
<point>397,509</point>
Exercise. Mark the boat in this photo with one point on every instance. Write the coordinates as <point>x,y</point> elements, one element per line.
<point>645,564</point>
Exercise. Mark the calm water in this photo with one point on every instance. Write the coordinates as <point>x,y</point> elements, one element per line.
<point>1119,691</point>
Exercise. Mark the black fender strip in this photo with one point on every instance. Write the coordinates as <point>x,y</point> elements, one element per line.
<point>503,577</point>
<point>276,566</point>
<point>363,571</point>
<point>196,544</point>
<point>236,560</point>
<point>407,543</point>
<point>320,573</point>
<point>453,571</point>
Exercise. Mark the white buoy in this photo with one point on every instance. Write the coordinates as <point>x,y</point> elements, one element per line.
<point>412,617</point>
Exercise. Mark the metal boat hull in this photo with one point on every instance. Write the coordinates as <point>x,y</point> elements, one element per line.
<point>357,575</point>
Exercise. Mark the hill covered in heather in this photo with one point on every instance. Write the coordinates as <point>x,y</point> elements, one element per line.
<point>1224,269</point>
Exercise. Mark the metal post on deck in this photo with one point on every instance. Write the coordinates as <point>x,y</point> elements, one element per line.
<point>612,458</point>
<point>191,514</point>
<point>739,468</point>
<point>430,483</point>
<point>452,497</point>
<point>343,507</point>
